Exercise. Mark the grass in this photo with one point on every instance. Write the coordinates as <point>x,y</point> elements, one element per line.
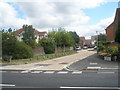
<point>40,58</point>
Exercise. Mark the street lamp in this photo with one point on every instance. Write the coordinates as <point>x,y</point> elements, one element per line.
<point>97,40</point>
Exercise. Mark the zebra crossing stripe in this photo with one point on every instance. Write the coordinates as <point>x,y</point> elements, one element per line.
<point>49,72</point>
<point>62,72</point>
<point>80,72</point>
<point>25,71</point>
<point>36,72</point>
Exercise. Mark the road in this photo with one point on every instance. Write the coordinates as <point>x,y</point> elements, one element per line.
<point>91,72</point>
<point>59,79</point>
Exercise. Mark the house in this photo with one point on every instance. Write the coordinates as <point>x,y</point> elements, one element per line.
<point>88,43</point>
<point>111,29</point>
<point>82,41</point>
<point>85,42</point>
<point>38,35</point>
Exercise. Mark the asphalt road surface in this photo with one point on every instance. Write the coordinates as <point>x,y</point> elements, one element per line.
<point>58,79</point>
<point>94,62</point>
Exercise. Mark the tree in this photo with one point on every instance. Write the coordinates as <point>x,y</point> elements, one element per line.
<point>12,47</point>
<point>62,37</point>
<point>117,34</point>
<point>75,37</point>
<point>101,37</point>
<point>48,44</point>
<point>29,36</point>
<point>117,38</point>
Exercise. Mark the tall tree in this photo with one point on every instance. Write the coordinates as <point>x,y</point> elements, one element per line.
<point>117,34</point>
<point>101,37</point>
<point>29,36</point>
<point>75,37</point>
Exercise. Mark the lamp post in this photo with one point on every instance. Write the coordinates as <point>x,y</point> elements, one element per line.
<point>97,40</point>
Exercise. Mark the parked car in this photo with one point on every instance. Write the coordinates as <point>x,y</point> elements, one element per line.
<point>78,48</point>
<point>85,47</point>
<point>95,47</point>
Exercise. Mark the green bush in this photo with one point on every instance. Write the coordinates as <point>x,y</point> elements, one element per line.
<point>48,44</point>
<point>21,50</point>
<point>101,47</point>
<point>114,51</point>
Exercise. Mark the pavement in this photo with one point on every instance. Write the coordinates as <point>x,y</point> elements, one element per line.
<point>53,64</point>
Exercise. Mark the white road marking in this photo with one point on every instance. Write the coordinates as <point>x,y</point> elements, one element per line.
<point>91,87</point>
<point>62,72</point>
<point>25,71</point>
<point>93,67</point>
<point>9,85</point>
<point>93,63</point>
<point>105,72</point>
<point>36,72</point>
<point>79,72</point>
<point>109,68</point>
<point>2,71</point>
<point>49,72</point>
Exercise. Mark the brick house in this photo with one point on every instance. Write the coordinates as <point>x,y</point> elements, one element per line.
<point>38,34</point>
<point>111,29</point>
<point>85,42</point>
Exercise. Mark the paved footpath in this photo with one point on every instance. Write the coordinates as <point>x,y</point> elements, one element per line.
<point>53,64</point>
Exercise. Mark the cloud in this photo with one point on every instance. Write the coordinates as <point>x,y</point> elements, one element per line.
<point>45,14</point>
<point>8,16</point>
<point>88,30</point>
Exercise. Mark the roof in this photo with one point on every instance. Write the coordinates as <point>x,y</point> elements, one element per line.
<point>17,32</point>
<point>110,25</point>
<point>117,17</point>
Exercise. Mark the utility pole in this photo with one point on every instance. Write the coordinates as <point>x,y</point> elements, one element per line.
<point>97,40</point>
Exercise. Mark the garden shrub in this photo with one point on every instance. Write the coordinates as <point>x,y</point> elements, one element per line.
<point>48,44</point>
<point>22,50</point>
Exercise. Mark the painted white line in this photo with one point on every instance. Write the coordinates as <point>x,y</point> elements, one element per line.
<point>5,85</point>
<point>93,63</point>
<point>62,72</point>
<point>49,72</point>
<point>2,71</point>
<point>36,72</point>
<point>109,68</point>
<point>90,87</point>
<point>80,72</point>
<point>93,67</point>
<point>25,71</point>
<point>105,72</point>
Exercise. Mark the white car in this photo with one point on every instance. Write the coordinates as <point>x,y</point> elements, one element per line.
<point>78,48</point>
<point>85,47</point>
<point>95,47</point>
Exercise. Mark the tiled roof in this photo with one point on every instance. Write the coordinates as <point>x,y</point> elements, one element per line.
<point>17,32</point>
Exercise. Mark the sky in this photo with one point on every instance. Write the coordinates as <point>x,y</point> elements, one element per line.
<point>82,16</point>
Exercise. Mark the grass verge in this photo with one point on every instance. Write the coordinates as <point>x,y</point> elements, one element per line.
<point>40,58</point>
